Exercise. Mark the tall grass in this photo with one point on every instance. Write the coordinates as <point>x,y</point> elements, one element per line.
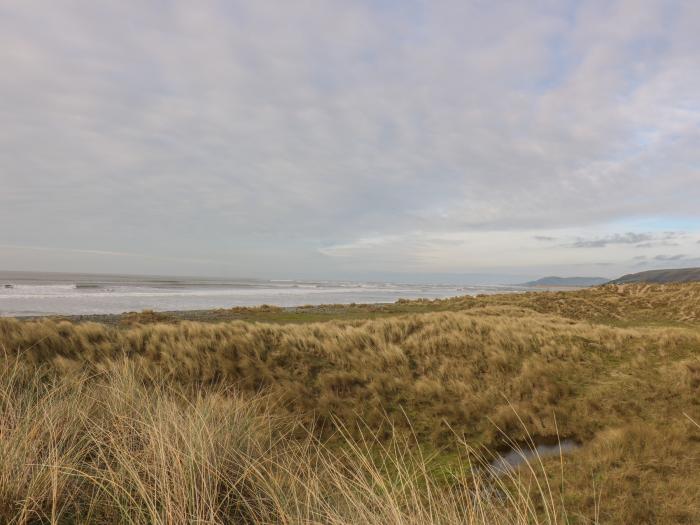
<point>449,371</point>
<point>124,447</point>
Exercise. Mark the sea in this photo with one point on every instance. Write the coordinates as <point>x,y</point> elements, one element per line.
<point>38,294</point>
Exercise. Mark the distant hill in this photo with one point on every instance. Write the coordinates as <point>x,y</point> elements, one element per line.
<point>567,281</point>
<point>682,275</point>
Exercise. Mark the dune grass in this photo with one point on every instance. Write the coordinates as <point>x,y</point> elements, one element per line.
<point>122,446</point>
<point>381,420</point>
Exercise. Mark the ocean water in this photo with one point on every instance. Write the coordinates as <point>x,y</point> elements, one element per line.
<point>31,293</point>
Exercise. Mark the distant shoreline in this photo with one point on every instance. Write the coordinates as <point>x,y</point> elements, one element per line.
<point>274,313</point>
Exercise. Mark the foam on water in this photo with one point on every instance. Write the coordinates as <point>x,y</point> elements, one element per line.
<point>28,293</point>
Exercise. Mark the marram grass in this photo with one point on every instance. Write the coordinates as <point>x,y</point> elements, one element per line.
<point>121,447</point>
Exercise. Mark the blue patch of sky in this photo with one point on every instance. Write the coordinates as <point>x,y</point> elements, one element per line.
<point>659,224</point>
<point>646,52</point>
<point>561,58</point>
<point>644,57</point>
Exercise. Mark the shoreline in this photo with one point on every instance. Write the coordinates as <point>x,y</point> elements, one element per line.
<point>262,313</point>
<point>285,314</point>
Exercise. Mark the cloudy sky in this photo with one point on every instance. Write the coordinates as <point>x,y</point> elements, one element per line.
<point>348,138</point>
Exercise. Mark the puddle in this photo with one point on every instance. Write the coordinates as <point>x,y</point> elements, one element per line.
<point>512,459</point>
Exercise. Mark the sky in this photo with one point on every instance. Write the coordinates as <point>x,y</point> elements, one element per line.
<point>353,138</point>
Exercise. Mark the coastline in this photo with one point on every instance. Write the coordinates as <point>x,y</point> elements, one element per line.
<point>292,314</point>
<point>263,313</point>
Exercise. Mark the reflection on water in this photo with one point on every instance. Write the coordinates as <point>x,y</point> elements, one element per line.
<point>514,458</point>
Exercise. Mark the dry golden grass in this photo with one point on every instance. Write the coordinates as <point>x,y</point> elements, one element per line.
<point>164,422</point>
<point>128,447</point>
<point>616,304</point>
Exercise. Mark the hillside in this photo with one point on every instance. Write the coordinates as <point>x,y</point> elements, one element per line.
<point>681,275</point>
<point>566,281</point>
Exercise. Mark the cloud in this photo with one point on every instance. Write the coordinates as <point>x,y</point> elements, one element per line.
<point>638,239</point>
<point>675,257</point>
<point>618,238</point>
<point>101,253</point>
<point>266,133</point>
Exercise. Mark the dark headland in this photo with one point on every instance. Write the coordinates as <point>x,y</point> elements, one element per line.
<point>579,282</point>
<point>682,275</point>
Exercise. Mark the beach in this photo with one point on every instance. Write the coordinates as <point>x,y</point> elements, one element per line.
<point>39,294</point>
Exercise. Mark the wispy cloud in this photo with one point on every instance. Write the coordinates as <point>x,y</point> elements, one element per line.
<point>618,238</point>
<point>640,240</point>
<point>106,253</point>
<point>675,257</point>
